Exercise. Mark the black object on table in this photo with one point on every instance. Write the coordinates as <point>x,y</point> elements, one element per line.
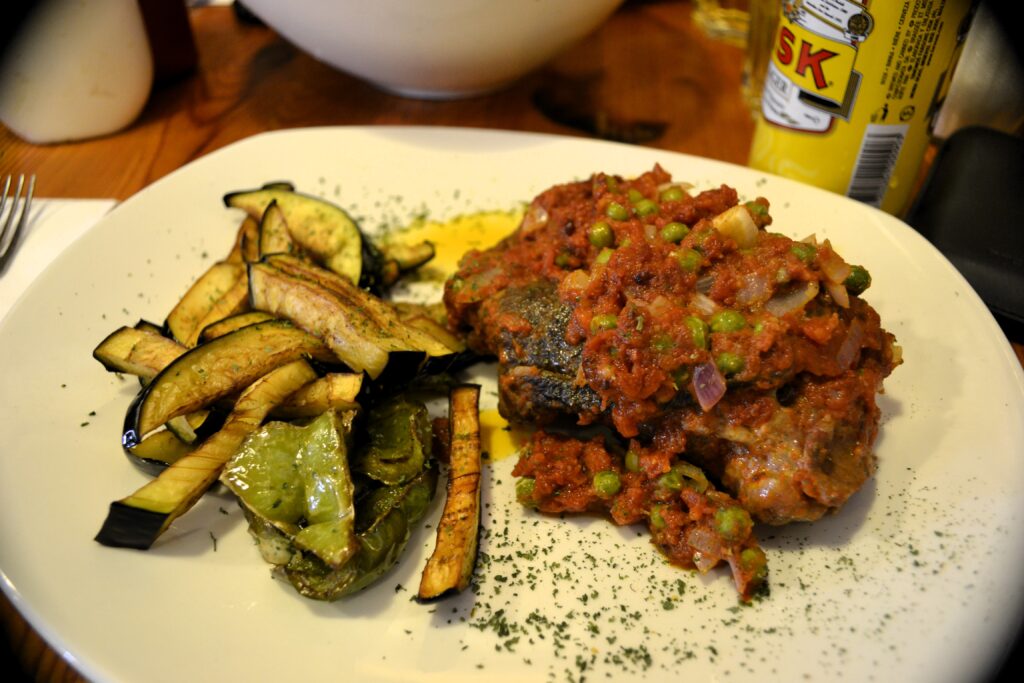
<point>970,208</point>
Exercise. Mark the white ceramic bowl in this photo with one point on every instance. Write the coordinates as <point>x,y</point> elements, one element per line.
<point>434,48</point>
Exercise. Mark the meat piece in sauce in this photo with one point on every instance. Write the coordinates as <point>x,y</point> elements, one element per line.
<point>693,524</point>
<point>680,322</point>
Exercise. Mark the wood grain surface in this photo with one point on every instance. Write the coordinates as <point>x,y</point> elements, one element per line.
<point>647,67</point>
<point>648,76</point>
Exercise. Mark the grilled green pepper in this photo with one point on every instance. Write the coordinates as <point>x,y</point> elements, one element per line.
<point>297,479</point>
<point>398,443</point>
<point>380,545</point>
<point>329,535</point>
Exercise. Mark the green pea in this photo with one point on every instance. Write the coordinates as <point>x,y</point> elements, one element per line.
<point>858,280</point>
<point>601,234</point>
<point>657,519</point>
<point>753,560</point>
<point>617,212</point>
<point>674,232</point>
<point>684,474</point>
<point>645,207</point>
<point>634,195</point>
<point>733,523</point>
<point>689,260</point>
<point>604,255</point>
<point>562,259</point>
<point>692,475</point>
<point>757,209</point>
<point>698,331</point>
<point>603,321</point>
<point>803,251</point>
<point>663,343</point>
<point>727,321</point>
<point>612,183</point>
<point>524,491</point>
<point>632,461</point>
<point>673,193</point>
<point>607,483</point>
<point>671,480</point>
<point>730,363</point>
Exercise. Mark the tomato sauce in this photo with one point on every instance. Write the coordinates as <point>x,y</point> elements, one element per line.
<point>692,523</point>
<point>699,337</point>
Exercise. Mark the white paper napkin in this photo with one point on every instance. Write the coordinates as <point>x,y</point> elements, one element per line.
<point>54,224</point>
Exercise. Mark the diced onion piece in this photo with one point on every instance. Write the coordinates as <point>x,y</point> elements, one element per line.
<point>737,224</point>
<point>660,306</point>
<point>897,354</point>
<point>704,304</point>
<point>536,217</point>
<point>685,187</point>
<point>839,293</point>
<point>737,434</point>
<point>832,264</point>
<point>792,300</point>
<point>755,289</point>
<point>708,385</point>
<point>707,547</point>
<point>488,276</point>
<point>575,282</point>
<point>851,345</point>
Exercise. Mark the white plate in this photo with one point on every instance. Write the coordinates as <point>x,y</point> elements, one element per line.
<point>917,578</point>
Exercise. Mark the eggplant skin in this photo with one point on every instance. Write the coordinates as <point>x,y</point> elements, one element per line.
<point>141,351</point>
<point>173,493</point>
<point>435,593</point>
<point>345,329</point>
<point>374,277</point>
<point>205,301</point>
<point>450,567</point>
<point>215,370</point>
<point>319,227</point>
<point>130,527</point>
<point>364,331</point>
<point>161,449</point>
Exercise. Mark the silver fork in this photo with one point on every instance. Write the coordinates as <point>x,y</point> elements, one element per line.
<point>11,225</point>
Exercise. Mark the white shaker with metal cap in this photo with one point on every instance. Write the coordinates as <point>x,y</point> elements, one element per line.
<point>75,69</point>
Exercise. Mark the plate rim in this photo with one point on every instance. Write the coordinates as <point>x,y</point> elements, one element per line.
<point>57,641</point>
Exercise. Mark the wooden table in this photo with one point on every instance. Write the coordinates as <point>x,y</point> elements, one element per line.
<point>648,76</point>
<point>647,69</point>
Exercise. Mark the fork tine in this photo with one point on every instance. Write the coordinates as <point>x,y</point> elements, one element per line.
<point>5,229</point>
<point>9,237</point>
<point>3,199</point>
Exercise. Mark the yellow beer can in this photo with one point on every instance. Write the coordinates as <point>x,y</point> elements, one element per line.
<point>852,90</point>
